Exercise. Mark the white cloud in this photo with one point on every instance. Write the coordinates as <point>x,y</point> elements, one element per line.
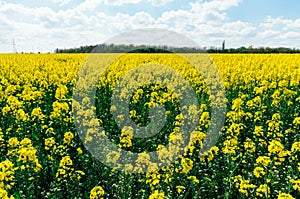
<point>61,2</point>
<point>44,27</point>
<point>88,5</point>
<point>274,22</point>
<point>124,22</point>
<point>214,5</point>
<point>120,2</point>
<point>268,33</point>
<point>237,28</point>
<point>123,2</point>
<point>290,35</point>
<point>279,31</point>
<point>204,21</point>
<point>158,3</point>
<point>200,12</point>
<point>294,24</point>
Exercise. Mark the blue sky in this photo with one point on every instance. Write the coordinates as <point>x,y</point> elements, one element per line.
<point>257,10</point>
<point>37,25</point>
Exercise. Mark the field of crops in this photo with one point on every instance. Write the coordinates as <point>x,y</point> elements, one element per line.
<point>51,143</point>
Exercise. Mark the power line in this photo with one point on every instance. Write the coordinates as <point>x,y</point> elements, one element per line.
<point>14,46</point>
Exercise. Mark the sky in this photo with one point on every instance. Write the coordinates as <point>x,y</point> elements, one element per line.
<point>44,25</point>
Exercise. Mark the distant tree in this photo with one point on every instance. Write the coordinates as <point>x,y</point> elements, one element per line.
<point>223,45</point>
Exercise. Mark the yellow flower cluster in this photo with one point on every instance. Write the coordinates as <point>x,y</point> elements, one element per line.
<point>4,194</point>
<point>7,171</point>
<point>257,151</point>
<point>97,193</point>
<point>126,136</point>
<point>2,144</point>
<point>243,185</point>
<point>157,195</point>
<point>263,191</point>
<point>66,171</point>
<point>285,196</point>
<point>25,152</point>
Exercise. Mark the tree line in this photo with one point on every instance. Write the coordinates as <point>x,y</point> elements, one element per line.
<point>111,48</point>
